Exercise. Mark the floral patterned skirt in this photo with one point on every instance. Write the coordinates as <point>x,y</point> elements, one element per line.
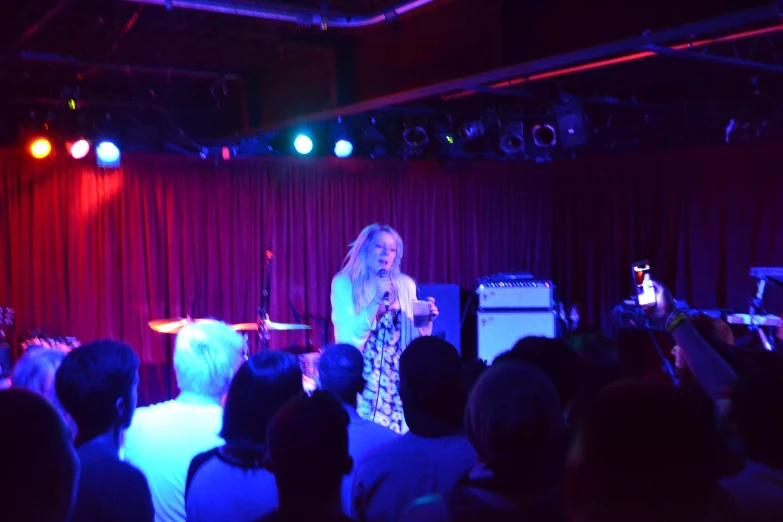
<point>380,401</point>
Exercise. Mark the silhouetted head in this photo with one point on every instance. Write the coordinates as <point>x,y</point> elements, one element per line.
<point>433,397</point>
<point>754,408</point>
<point>514,421</point>
<point>310,433</point>
<point>260,388</point>
<point>340,370</point>
<point>39,463</point>
<point>35,371</point>
<point>97,385</point>
<point>643,453</point>
<point>555,358</point>
<point>601,366</point>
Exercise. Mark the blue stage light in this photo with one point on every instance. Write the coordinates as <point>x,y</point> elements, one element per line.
<point>303,144</point>
<point>108,154</point>
<point>343,149</point>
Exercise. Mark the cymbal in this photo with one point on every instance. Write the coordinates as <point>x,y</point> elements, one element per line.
<point>174,325</point>
<point>271,325</point>
<point>168,325</point>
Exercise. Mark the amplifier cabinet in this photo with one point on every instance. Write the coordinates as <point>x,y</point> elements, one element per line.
<point>447,325</point>
<point>5,360</point>
<point>498,331</point>
<point>516,295</point>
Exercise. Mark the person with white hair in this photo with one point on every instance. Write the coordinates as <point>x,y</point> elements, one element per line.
<point>164,438</point>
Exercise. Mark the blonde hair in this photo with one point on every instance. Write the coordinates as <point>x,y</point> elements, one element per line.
<point>206,356</point>
<point>355,264</point>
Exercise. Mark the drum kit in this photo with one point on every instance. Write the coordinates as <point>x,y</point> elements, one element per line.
<point>308,361</point>
<point>263,326</point>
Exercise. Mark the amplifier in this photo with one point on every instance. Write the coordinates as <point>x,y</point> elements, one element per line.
<point>5,360</point>
<point>448,325</point>
<point>499,331</point>
<point>516,295</point>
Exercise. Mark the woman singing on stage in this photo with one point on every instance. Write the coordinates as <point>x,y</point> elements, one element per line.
<point>372,309</point>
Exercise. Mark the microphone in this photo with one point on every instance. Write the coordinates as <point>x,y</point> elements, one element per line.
<point>384,273</point>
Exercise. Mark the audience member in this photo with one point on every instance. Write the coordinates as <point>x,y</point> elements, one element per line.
<point>340,372</point>
<point>309,438</point>
<point>758,488</point>
<point>163,438</point>
<point>97,385</point>
<point>718,336</point>
<point>709,368</point>
<point>559,362</point>
<point>230,482</point>
<point>40,466</point>
<point>715,333</point>
<point>601,366</point>
<point>435,454</point>
<point>646,454</point>
<point>514,421</point>
<point>471,371</point>
<point>35,371</point>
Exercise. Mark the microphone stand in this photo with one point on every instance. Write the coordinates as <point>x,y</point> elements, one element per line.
<point>263,311</point>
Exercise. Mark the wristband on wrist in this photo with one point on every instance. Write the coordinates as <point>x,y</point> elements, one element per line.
<point>675,320</point>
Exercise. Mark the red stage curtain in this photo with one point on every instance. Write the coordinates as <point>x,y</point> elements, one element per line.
<point>98,253</point>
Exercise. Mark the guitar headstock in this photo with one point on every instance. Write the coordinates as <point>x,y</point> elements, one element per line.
<point>7,316</point>
<point>7,320</point>
<point>45,339</point>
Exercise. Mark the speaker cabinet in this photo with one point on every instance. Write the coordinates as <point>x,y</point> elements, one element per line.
<point>447,325</point>
<point>498,331</point>
<point>5,360</point>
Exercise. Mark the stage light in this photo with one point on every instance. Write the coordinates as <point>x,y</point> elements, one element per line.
<point>303,144</point>
<point>415,137</point>
<point>511,141</point>
<point>108,154</point>
<point>343,148</point>
<point>40,148</point>
<point>544,136</point>
<point>471,130</point>
<point>79,149</point>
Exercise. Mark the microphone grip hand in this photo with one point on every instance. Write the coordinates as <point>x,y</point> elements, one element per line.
<point>383,287</point>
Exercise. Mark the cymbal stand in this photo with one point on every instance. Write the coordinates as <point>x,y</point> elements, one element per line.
<point>263,330</point>
<point>263,312</point>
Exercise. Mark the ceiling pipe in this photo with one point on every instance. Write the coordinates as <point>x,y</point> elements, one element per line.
<point>720,60</point>
<point>27,56</point>
<point>576,61</point>
<point>42,22</point>
<point>651,50</point>
<point>299,16</point>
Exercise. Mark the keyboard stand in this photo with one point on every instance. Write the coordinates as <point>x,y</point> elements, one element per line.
<point>763,275</point>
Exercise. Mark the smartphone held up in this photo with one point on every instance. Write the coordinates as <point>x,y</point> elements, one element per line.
<point>645,291</point>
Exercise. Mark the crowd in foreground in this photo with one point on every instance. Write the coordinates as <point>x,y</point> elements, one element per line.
<point>551,431</point>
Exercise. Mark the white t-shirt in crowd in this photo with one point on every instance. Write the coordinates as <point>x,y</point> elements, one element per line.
<point>161,442</point>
